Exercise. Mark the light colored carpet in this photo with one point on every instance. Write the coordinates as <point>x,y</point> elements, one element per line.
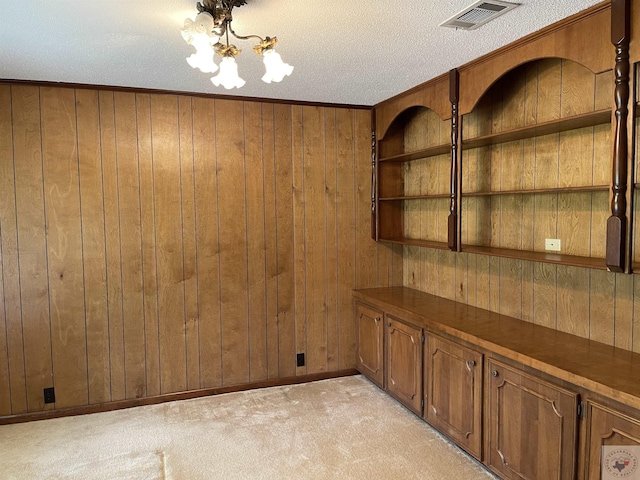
<point>341,428</point>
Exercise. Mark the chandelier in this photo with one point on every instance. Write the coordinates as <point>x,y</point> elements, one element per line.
<point>212,24</point>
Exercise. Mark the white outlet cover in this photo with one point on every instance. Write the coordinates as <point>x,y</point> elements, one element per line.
<point>552,244</point>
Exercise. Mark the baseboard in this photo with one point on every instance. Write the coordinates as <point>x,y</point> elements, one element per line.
<point>170,397</point>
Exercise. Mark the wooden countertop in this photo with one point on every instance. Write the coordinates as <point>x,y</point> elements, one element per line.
<point>609,371</point>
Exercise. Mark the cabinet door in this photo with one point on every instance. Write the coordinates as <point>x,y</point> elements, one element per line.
<point>370,358</point>
<point>453,392</point>
<point>404,363</point>
<point>532,426</point>
<point>608,427</point>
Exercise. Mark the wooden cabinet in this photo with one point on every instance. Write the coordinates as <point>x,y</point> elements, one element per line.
<point>404,363</point>
<point>370,338</point>
<point>608,427</point>
<point>532,426</point>
<point>453,392</point>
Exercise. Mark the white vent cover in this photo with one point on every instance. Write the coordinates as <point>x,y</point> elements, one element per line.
<point>478,14</point>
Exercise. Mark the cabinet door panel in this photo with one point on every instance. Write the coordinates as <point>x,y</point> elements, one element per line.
<point>370,330</point>
<point>404,365</point>
<point>532,426</point>
<point>453,392</point>
<point>607,427</point>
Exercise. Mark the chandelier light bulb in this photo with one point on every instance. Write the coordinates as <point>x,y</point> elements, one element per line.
<point>228,76</point>
<point>199,34</point>
<point>276,68</point>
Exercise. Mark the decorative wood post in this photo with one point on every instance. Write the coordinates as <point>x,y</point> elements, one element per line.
<point>617,222</point>
<point>453,225</point>
<point>373,176</point>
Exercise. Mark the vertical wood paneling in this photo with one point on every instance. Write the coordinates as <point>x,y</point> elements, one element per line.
<point>169,250</point>
<point>233,241</point>
<point>346,238</point>
<point>189,254</point>
<point>112,243</point>
<point>29,330</point>
<point>7,240</point>
<point>93,240</point>
<point>256,246</point>
<point>207,241</point>
<point>333,255</point>
<point>299,246</point>
<point>130,244</point>
<point>285,193</point>
<point>315,239</point>
<point>148,232</point>
<point>64,245</point>
<point>208,260</point>
<point>271,238</point>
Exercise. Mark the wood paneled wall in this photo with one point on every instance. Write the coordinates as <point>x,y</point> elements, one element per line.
<point>590,303</point>
<point>154,243</point>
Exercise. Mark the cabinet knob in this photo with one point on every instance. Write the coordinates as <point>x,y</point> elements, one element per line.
<point>494,373</point>
<point>377,319</point>
<point>388,324</point>
<point>471,363</point>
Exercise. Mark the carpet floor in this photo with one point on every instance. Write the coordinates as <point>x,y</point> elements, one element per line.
<point>341,428</point>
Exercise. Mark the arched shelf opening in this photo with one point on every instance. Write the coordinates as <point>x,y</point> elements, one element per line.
<point>414,177</point>
<point>536,165</point>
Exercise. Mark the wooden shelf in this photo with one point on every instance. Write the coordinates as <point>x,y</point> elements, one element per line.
<point>554,126</point>
<point>545,257</point>
<point>416,197</point>
<point>586,188</point>
<point>417,242</point>
<point>419,154</point>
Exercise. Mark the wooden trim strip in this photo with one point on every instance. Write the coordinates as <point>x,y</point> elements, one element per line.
<point>171,397</point>
<point>417,88</point>
<point>532,37</point>
<point>216,96</point>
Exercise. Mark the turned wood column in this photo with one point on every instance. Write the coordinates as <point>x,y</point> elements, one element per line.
<point>617,223</point>
<point>454,207</point>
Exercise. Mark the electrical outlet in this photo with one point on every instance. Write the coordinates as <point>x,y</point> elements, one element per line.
<point>300,360</point>
<point>49,395</point>
<point>552,244</point>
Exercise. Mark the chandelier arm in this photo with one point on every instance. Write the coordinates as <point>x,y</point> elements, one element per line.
<point>240,37</point>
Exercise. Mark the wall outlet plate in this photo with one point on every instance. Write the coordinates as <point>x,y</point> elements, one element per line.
<point>49,395</point>
<point>552,244</point>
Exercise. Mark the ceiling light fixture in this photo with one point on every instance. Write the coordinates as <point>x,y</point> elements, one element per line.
<point>212,23</point>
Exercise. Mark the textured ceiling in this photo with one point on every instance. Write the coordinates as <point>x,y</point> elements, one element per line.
<point>351,52</point>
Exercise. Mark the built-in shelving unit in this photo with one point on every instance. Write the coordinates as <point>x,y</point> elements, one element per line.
<point>414,172</point>
<point>538,151</point>
<point>520,185</point>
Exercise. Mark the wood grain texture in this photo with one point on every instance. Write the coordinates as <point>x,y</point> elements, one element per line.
<point>185,215</point>
<point>256,247</point>
<point>93,240</point>
<point>189,245</point>
<point>29,327</point>
<point>8,246</point>
<point>130,244</point>
<point>207,254</point>
<point>112,243</point>
<point>64,245</point>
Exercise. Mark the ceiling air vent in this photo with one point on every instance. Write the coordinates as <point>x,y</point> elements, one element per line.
<point>478,14</point>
